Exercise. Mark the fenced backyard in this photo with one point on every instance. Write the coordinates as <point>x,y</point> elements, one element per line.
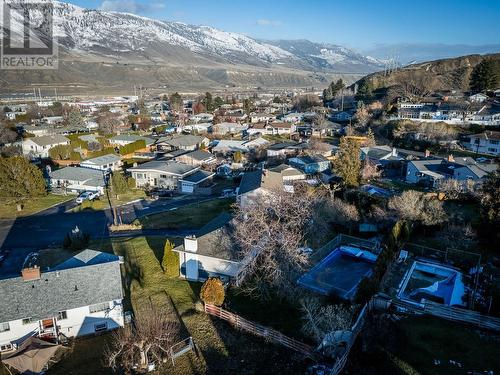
<point>260,330</point>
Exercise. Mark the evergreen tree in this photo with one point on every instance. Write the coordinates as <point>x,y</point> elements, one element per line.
<point>20,179</point>
<point>485,76</point>
<point>218,102</point>
<point>176,102</point>
<point>119,183</point>
<point>208,102</point>
<point>170,261</point>
<point>347,164</point>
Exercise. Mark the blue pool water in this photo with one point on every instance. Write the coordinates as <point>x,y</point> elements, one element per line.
<point>340,272</point>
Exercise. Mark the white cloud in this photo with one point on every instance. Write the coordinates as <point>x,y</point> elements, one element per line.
<point>266,22</point>
<point>131,6</point>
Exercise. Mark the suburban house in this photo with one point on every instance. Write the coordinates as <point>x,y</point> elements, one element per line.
<point>430,172</point>
<point>261,117</point>
<point>202,127</point>
<point>78,179</point>
<point>228,146</point>
<point>171,175</point>
<point>80,296</point>
<point>285,149</point>
<point>478,98</point>
<point>109,162</point>
<point>197,158</point>
<point>341,116</point>
<point>385,157</point>
<point>201,117</point>
<point>39,147</point>
<point>250,187</point>
<point>484,143</point>
<point>126,139</point>
<point>211,253</point>
<point>228,128</point>
<point>185,142</point>
<point>280,128</point>
<point>310,164</point>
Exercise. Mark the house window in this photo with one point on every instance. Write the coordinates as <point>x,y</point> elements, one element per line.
<point>494,142</point>
<point>100,327</point>
<point>99,307</point>
<point>492,149</point>
<point>27,321</point>
<point>4,327</point>
<point>61,315</point>
<point>6,347</point>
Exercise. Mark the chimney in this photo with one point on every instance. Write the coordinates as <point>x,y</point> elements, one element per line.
<point>31,273</point>
<point>427,153</point>
<point>450,159</point>
<point>191,244</point>
<point>394,152</point>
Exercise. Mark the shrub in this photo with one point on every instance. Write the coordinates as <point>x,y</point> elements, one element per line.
<point>212,292</point>
<point>170,261</point>
<point>76,240</point>
<point>131,183</point>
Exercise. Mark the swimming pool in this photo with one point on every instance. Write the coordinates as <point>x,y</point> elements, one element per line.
<point>426,280</point>
<point>340,272</point>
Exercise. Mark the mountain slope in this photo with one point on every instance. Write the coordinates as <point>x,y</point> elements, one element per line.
<point>117,50</point>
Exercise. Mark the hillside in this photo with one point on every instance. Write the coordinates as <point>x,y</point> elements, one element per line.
<point>446,74</point>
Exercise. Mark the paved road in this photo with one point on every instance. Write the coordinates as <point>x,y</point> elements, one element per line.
<point>48,228</point>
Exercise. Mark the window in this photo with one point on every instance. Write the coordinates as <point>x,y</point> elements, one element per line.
<point>27,321</point>
<point>494,142</point>
<point>100,327</point>
<point>61,315</point>
<point>4,327</point>
<point>99,307</point>
<point>490,149</point>
<point>5,347</point>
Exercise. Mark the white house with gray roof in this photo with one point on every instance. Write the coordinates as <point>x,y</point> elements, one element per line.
<point>81,296</point>
<point>78,179</point>
<point>39,147</point>
<point>109,162</point>
<point>126,139</point>
<point>170,175</point>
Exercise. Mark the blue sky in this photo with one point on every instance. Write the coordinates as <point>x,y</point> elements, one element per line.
<point>359,24</point>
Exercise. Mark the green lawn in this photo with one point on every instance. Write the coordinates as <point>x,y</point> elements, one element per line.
<point>192,216</point>
<point>8,208</point>
<point>221,349</point>
<point>425,338</point>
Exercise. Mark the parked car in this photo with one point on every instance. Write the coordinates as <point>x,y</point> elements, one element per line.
<point>162,193</point>
<point>87,196</point>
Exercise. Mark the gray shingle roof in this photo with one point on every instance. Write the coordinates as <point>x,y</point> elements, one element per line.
<point>182,140</point>
<point>198,176</point>
<point>168,166</point>
<point>103,160</point>
<point>87,175</point>
<point>84,281</point>
<point>200,155</point>
<point>47,140</point>
<point>250,181</point>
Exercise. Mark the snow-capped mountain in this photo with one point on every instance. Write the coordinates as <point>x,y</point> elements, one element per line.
<point>123,35</point>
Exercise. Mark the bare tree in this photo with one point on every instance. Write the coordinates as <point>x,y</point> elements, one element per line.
<point>109,122</point>
<point>413,86</point>
<point>270,233</point>
<point>319,320</point>
<point>415,206</point>
<point>337,211</point>
<point>458,236</point>
<point>370,171</point>
<point>147,339</point>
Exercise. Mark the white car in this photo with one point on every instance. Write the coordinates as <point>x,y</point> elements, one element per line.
<point>87,196</point>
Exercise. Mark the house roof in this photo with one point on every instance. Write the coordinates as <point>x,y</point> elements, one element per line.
<point>182,140</point>
<point>231,145</point>
<point>103,160</point>
<point>377,152</point>
<point>487,135</point>
<point>168,166</point>
<point>131,138</point>
<point>250,181</point>
<point>48,140</point>
<point>91,177</point>
<point>199,155</point>
<point>310,159</point>
<point>215,239</point>
<point>88,279</point>
<point>198,176</point>
<point>288,145</point>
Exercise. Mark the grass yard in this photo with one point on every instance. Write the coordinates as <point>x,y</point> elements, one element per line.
<point>221,349</point>
<point>31,206</point>
<point>192,216</point>
<point>103,204</point>
<point>425,339</point>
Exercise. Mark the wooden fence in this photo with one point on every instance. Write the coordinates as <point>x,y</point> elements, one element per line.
<point>356,329</point>
<point>446,312</point>
<point>259,330</point>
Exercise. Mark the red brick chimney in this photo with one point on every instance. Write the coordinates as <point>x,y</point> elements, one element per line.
<point>450,159</point>
<point>31,273</point>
